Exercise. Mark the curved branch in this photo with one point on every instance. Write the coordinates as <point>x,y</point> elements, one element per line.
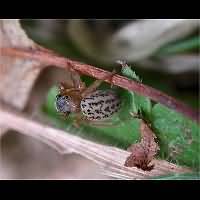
<point>48,57</point>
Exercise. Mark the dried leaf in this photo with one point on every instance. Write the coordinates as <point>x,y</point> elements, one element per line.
<point>144,152</point>
<point>133,40</point>
<point>110,159</point>
<point>139,40</point>
<point>175,64</point>
<point>17,75</point>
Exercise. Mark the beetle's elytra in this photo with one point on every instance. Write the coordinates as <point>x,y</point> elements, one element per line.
<point>100,104</point>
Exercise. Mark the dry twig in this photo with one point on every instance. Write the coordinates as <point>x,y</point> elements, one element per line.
<point>47,57</point>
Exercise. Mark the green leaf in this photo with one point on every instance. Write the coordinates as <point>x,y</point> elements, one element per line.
<point>178,135</point>
<point>122,134</point>
<point>139,103</point>
<point>129,73</point>
<point>125,129</point>
<point>180,46</point>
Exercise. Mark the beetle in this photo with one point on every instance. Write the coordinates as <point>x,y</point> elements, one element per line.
<point>90,103</point>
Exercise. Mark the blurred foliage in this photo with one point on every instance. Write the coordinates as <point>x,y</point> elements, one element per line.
<point>122,133</point>
<point>178,136</point>
<point>159,80</point>
<point>191,44</point>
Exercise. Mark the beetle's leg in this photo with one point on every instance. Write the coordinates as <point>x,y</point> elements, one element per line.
<point>63,115</point>
<point>67,91</point>
<point>113,73</point>
<point>64,88</point>
<point>77,83</point>
<point>106,123</point>
<point>79,118</point>
<point>96,84</point>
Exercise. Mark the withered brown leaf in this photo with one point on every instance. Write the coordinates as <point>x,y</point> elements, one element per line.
<point>17,75</point>
<point>143,152</point>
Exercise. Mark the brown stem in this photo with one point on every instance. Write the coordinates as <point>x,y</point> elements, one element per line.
<point>49,58</point>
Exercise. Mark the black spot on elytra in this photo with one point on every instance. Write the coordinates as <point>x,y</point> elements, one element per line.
<point>95,95</point>
<point>97,111</point>
<point>103,95</point>
<point>107,109</point>
<point>118,104</point>
<point>110,101</point>
<point>100,112</point>
<point>83,105</point>
<point>97,117</point>
<point>90,105</point>
<point>88,110</point>
<point>113,106</point>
